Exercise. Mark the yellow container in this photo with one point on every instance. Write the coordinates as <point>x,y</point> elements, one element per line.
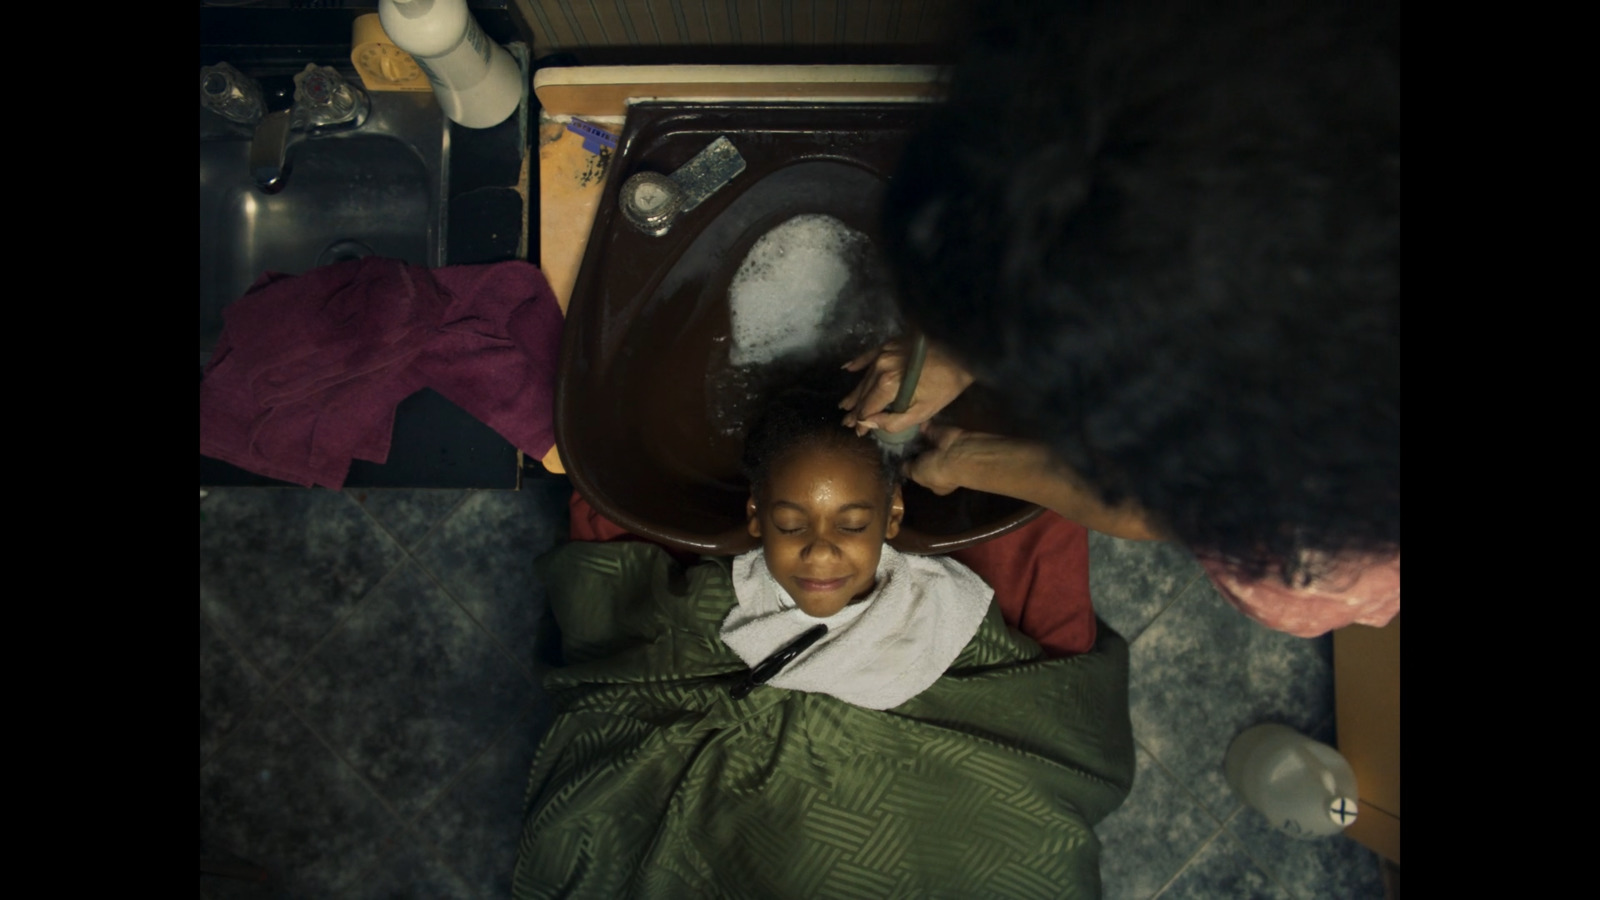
<point>381,65</point>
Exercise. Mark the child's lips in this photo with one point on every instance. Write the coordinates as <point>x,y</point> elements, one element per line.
<point>822,586</point>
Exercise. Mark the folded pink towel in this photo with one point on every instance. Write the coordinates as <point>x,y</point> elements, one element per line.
<point>309,368</point>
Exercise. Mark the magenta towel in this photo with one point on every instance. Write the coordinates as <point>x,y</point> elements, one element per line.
<point>309,368</point>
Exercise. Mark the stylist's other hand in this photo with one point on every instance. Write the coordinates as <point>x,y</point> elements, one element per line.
<point>1026,470</point>
<point>950,457</point>
<point>943,380</point>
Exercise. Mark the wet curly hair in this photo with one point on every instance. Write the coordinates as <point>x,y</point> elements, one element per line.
<point>1170,232</point>
<point>805,417</point>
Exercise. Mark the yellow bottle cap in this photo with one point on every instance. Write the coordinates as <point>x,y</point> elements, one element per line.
<point>381,65</point>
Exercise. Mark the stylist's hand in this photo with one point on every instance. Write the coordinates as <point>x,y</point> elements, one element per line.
<point>1026,470</point>
<point>942,381</point>
<point>956,457</point>
<point>938,468</point>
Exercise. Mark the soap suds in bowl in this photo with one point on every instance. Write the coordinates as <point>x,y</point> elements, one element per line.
<point>802,284</point>
<point>810,290</point>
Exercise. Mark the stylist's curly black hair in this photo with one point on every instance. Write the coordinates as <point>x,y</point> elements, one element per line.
<point>804,417</point>
<point>1171,232</point>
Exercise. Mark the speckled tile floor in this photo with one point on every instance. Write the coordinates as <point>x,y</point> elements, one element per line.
<point>370,702</point>
<point>1200,673</point>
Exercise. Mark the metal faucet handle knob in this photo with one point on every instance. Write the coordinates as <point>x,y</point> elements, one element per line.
<point>324,96</point>
<point>318,91</point>
<point>231,94</point>
<point>651,202</point>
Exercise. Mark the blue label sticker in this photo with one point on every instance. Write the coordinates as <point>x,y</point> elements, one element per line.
<point>593,138</point>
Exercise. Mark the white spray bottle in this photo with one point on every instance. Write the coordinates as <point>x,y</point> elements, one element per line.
<point>476,81</point>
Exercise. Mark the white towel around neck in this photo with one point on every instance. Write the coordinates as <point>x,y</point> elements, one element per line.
<point>878,653</point>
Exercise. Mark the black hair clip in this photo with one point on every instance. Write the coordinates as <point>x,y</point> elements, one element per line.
<point>764,670</point>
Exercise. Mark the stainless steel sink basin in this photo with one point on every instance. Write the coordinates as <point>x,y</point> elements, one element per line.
<point>376,190</point>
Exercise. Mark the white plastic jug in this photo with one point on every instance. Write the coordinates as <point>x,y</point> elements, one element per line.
<point>1304,788</point>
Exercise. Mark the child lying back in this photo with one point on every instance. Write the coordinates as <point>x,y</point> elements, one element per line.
<point>824,503</point>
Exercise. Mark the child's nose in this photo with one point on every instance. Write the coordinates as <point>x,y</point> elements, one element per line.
<point>820,545</point>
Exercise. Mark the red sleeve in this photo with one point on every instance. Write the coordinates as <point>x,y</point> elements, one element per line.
<point>1040,576</point>
<point>589,525</point>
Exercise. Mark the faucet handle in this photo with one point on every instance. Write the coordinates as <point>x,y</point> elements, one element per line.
<point>323,97</point>
<point>231,94</point>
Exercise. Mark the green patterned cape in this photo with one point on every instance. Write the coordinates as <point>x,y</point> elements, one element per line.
<point>653,782</point>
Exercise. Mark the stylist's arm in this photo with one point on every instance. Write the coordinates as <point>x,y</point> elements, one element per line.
<point>1022,469</point>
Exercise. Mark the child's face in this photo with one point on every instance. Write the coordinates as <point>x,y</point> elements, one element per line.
<point>823,527</point>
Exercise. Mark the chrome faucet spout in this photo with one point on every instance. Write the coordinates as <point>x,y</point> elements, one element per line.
<point>269,151</point>
<point>323,102</point>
